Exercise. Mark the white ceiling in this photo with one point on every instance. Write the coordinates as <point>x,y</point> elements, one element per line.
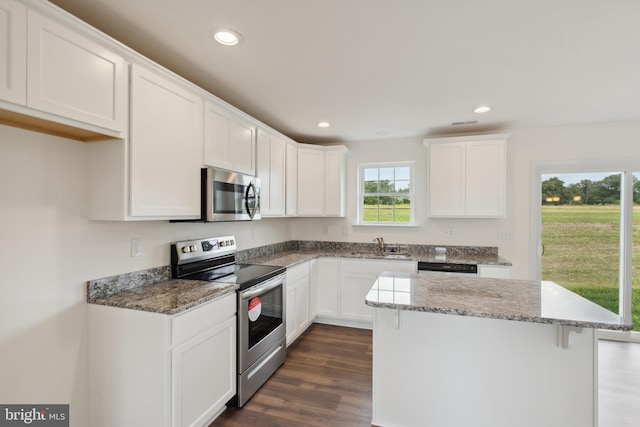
<point>394,67</point>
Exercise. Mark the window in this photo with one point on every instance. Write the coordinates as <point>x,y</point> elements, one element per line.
<point>385,193</point>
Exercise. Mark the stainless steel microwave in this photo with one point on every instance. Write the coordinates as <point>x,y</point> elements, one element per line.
<point>229,196</point>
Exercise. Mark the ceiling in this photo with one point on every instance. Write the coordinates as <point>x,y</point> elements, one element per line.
<point>394,68</point>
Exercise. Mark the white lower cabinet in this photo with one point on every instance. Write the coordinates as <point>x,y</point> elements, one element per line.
<point>297,313</point>
<point>325,279</point>
<point>155,369</point>
<point>344,284</point>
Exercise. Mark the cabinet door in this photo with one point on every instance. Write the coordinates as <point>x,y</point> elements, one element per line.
<point>290,312</point>
<point>229,140</point>
<point>326,281</point>
<point>73,77</point>
<point>356,279</point>
<point>13,52</point>
<point>313,290</point>
<point>291,169</point>
<point>485,178</point>
<point>204,375</point>
<point>311,182</point>
<point>271,155</point>
<point>447,179</point>
<point>334,175</point>
<point>166,147</point>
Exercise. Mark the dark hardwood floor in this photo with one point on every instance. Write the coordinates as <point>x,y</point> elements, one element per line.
<point>326,381</point>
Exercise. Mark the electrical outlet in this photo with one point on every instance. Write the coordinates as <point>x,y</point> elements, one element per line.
<point>505,234</point>
<point>136,247</point>
<point>450,232</point>
<point>325,229</point>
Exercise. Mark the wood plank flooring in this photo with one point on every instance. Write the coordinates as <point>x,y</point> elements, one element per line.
<point>326,381</point>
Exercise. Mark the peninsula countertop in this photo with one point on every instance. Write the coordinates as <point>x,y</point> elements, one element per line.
<point>520,300</point>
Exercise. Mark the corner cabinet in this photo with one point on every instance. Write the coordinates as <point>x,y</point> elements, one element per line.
<point>271,163</point>
<point>161,370</point>
<point>467,176</point>
<point>321,180</point>
<point>343,284</point>
<point>229,139</point>
<point>291,170</point>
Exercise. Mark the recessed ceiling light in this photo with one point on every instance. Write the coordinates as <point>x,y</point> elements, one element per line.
<point>482,109</point>
<point>226,37</point>
<point>324,124</point>
<point>382,132</point>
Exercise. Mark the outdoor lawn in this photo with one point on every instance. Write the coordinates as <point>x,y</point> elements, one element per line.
<point>581,252</point>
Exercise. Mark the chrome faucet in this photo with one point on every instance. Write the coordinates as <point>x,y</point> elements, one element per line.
<point>380,242</point>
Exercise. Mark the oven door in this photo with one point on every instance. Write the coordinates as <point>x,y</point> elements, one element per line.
<point>260,320</point>
<point>230,196</point>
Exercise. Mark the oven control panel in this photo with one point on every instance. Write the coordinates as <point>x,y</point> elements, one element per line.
<point>203,248</point>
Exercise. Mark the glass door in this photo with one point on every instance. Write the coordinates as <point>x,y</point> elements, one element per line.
<point>590,236</point>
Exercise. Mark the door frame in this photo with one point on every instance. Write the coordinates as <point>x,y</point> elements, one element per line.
<point>626,167</point>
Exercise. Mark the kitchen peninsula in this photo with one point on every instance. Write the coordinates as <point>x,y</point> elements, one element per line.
<point>457,351</point>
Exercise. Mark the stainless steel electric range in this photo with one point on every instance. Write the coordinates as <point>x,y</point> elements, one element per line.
<point>260,305</point>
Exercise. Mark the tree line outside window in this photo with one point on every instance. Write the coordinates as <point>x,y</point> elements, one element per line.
<point>586,192</point>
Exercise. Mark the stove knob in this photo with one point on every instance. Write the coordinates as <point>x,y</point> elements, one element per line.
<point>186,249</point>
<point>232,242</point>
<point>193,248</point>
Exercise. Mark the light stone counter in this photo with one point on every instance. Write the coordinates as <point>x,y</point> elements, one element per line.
<point>520,300</point>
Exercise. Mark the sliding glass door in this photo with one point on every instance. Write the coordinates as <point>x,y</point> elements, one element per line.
<point>590,235</point>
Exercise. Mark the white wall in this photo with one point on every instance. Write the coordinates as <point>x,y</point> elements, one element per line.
<point>48,251</point>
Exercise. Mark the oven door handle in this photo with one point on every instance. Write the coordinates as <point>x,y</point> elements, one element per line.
<point>264,287</point>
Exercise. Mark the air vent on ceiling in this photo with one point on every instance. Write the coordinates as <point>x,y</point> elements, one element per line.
<point>472,122</point>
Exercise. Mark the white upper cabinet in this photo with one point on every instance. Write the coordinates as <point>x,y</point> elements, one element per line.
<point>311,182</point>
<point>335,170</point>
<point>229,140</point>
<point>165,147</point>
<point>321,180</point>
<point>291,181</point>
<point>13,52</point>
<point>467,176</point>
<point>271,163</point>
<point>71,76</point>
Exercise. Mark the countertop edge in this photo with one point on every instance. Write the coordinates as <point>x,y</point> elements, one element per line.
<point>529,319</point>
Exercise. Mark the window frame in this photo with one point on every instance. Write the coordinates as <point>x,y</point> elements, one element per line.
<point>361,193</point>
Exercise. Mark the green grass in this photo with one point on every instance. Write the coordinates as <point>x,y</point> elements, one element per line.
<point>386,213</point>
<point>581,253</point>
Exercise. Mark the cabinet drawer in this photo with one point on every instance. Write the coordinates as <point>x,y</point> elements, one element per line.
<point>297,272</point>
<point>199,319</point>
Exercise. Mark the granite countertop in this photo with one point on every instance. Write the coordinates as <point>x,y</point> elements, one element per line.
<point>169,297</point>
<point>521,300</point>
<point>154,290</point>
<point>289,258</point>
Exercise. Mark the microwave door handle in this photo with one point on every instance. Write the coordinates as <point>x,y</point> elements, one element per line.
<point>250,187</point>
<point>266,286</point>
